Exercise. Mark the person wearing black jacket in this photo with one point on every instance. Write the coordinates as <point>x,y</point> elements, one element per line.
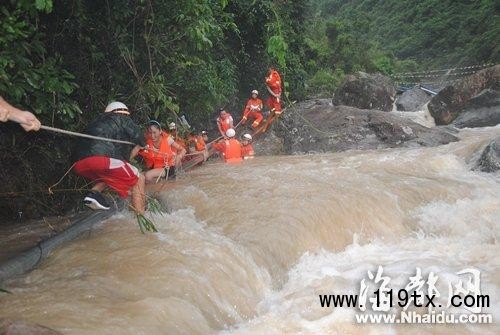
<point>107,163</point>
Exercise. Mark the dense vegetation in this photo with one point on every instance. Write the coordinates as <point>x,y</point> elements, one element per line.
<point>394,36</point>
<point>64,60</point>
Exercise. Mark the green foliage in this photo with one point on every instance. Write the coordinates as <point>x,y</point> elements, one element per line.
<point>277,48</point>
<point>30,77</point>
<point>324,82</point>
<point>433,32</point>
<point>393,36</point>
<point>145,224</point>
<point>44,5</point>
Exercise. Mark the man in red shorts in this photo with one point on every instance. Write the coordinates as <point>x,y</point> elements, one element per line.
<point>106,163</point>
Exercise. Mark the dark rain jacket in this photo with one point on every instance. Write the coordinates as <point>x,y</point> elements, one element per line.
<point>110,125</point>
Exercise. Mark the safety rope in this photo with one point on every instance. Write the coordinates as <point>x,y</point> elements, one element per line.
<point>437,75</point>
<point>221,137</point>
<point>445,70</point>
<point>72,133</point>
<point>309,123</point>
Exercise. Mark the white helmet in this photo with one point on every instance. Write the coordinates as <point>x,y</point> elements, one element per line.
<point>230,132</point>
<point>116,107</point>
<point>172,126</point>
<point>255,92</point>
<point>247,137</point>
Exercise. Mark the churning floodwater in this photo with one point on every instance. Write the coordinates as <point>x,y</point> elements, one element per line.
<point>247,249</point>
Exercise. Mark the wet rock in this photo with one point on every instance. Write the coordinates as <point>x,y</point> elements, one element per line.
<point>20,327</point>
<point>482,110</point>
<point>268,144</point>
<point>490,158</point>
<point>366,91</point>
<point>450,102</point>
<point>318,126</point>
<point>412,100</point>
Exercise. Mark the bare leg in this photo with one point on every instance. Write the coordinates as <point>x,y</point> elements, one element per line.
<point>99,187</point>
<point>139,195</point>
<point>178,159</point>
<point>153,174</point>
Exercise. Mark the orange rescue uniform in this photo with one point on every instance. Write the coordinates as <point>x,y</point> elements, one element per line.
<point>253,109</point>
<point>247,151</point>
<point>159,157</point>
<point>231,150</point>
<point>273,82</point>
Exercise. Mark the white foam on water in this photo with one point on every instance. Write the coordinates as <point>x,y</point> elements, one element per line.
<point>247,249</point>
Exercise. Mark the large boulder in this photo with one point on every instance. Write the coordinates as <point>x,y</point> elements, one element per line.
<point>412,100</point>
<point>451,101</point>
<point>19,327</point>
<point>268,144</point>
<point>366,91</point>
<point>483,110</point>
<point>319,126</point>
<point>490,158</point>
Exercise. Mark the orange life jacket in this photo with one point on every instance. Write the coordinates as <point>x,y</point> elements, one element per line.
<point>253,105</point>
<point>225,123</point>
<point>159,157</point>
<point>231,150</point>
<point>273,81</point>
<point>247,151</point>
<point>199,143</point>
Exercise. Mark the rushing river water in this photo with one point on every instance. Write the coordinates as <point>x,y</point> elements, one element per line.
<point>247,249</point>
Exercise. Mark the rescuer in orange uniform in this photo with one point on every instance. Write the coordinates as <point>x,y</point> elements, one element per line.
<point>246,147</point>
<point>229,147</point>
<point>273,84</point>
<point>224,122</point>
<point>253,110</point>
<point>161,154</point>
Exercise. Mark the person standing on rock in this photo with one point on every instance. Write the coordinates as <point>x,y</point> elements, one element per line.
<point>106,163</point>
<point>253,110</point>
<point>273,84</point>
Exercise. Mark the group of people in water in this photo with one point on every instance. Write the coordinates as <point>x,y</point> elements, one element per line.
<point>107,163</point>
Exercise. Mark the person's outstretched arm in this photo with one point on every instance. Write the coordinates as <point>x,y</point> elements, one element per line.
<point>10,113</point>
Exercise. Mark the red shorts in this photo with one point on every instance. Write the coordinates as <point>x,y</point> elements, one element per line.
<point>117,174</point>
<point>274,103</point>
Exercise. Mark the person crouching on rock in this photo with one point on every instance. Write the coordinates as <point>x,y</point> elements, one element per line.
<point>107,163</point>
<point>253,110</point>
<point>246,147</point>
<point>162,154</point>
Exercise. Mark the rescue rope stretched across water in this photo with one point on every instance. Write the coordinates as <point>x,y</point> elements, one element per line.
<point>72,133</point>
